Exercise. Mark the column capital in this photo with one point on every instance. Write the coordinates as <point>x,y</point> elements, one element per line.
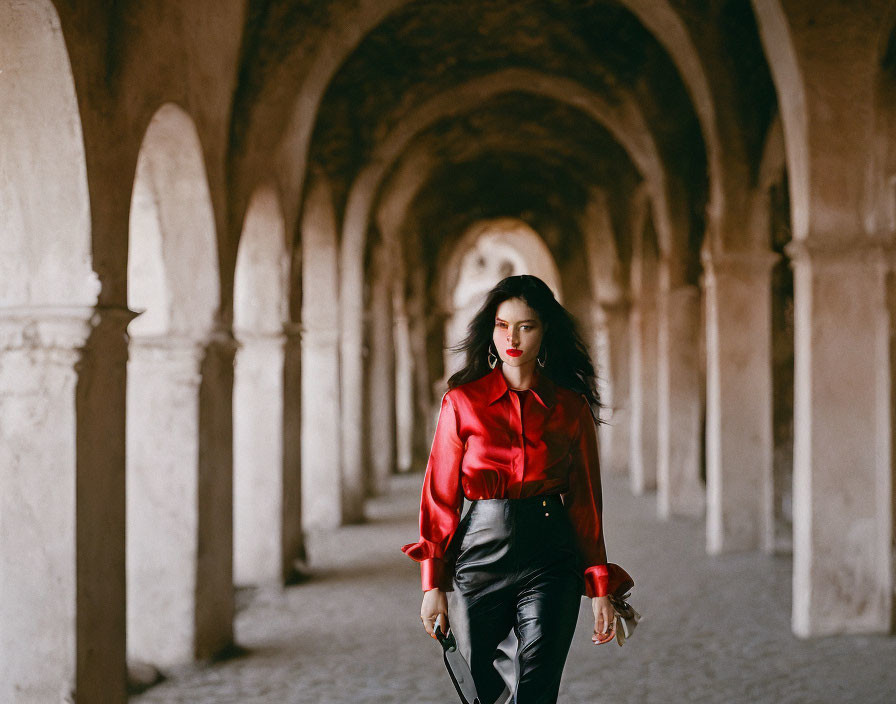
<point>617,306</point>
<point>292,330</point>
<point>843,251</point>
<point>737,261</point>
<point>438,316</point>
<point>221,338</point>
<point>46,327</point>
<point>319,335</point>
<point>259,337</point>
<point>179,357</point>
<point>168,347</point>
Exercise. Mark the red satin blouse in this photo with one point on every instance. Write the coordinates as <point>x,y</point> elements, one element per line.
<point>492,442</point>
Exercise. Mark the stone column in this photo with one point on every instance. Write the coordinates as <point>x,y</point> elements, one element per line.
<point>214,568</point>
<point>380,416</point>
<point>680,407</point>
<point>295,559</point>
<point>101,519</point>
<point>163,498</point>
<point>351,387</point>
<point>843,420</point>
<point>739,447</point>
<point>617,445</point>
<point>644,366</point>
<point>600,353</point>
<point>404,386</point>
<point>258,495</point>
<point>321,478</point>
<point>39,351</point>
<point>419,324</point>
<point>322,504</point>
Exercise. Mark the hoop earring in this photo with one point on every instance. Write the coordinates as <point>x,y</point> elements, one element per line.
<point>492,358</point>
<point>542,362</point>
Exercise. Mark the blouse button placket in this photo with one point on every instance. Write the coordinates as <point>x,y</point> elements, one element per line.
<point>520,449</point>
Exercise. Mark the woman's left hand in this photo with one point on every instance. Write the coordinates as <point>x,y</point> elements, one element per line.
<point>604,618</point>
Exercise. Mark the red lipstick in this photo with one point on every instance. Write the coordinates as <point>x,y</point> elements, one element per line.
<point>514,352</point>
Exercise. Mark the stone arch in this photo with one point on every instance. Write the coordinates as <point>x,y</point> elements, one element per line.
<point>522,251</point>
<point>173,225</point>
<point>173,279</point>
<point>44,205</point>
<point>294,144</point>
<point>618,117</point>
<point>771,168</point>
<point>363,192</point>
<point>398,190</point>
<point>885,133</point>
<point>659,17</point>
<point>532,252</point>
<point>260,312</point>
<point>619,114</point>
<point>48,291</point>
<point>261,277</point>
<point>405,167</point>
<point>667,25</point>
<point>778,44</point>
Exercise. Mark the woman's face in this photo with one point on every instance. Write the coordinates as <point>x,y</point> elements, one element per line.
<point>518,333</point>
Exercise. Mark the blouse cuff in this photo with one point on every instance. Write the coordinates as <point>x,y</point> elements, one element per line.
<point>604,580</point>
<point>422,550</point>
<point>432,573</point>
<point>597,580</point>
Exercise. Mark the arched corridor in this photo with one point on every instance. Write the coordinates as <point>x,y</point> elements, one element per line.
<point>239,239</point>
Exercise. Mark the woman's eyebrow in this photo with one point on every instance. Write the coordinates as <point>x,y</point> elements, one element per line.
<point>530,320</point>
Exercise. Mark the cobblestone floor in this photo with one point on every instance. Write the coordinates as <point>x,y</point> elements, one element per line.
<point>715,629</point>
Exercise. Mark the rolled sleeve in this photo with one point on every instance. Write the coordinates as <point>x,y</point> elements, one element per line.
<point>584,503</point>
<point>441,499</point>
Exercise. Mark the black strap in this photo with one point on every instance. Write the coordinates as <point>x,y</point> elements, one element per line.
<point>449,645</point>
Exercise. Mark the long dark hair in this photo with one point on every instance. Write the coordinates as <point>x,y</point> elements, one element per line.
<point>568,361</point>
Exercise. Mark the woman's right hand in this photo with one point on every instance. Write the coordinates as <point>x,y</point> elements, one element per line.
<point>435,604</point>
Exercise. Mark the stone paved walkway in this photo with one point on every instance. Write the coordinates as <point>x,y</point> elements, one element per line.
<point>715,629</point>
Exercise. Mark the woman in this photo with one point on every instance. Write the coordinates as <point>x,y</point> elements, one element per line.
<point>516,435</point>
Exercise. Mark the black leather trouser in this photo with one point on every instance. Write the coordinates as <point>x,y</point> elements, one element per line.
<point>516,573</point>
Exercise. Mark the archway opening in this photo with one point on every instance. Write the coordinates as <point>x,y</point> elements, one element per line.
<point>173,283</point>
<point>260,312</point>
<point>486,253</point>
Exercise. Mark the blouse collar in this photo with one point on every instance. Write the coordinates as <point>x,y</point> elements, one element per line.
<point>542,388</point>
